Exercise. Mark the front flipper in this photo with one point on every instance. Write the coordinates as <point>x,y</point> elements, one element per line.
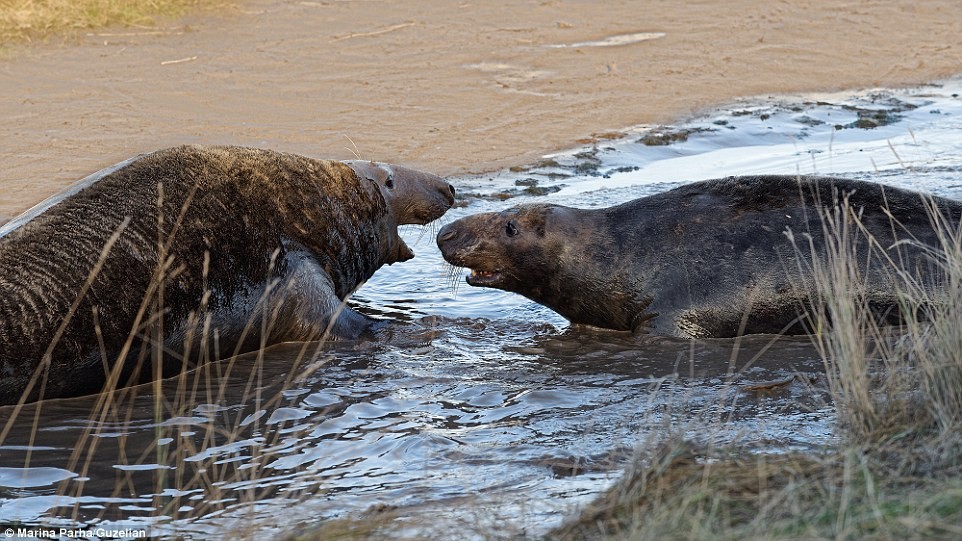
<point>306,306</point>
<point>348,324</point>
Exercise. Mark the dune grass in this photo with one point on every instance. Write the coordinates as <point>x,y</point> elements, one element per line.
<point>849,494</point>
<point>896,472</point>
<point>29,20</point>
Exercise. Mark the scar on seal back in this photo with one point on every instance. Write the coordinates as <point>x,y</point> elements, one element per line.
<point>708,259</point>
<point>203,251</point>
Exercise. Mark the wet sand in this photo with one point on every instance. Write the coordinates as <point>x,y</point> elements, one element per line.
<point>454,88</point>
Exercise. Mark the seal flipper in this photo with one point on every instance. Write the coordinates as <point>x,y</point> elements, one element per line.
<point>309,307</point>
<point>351,325</point>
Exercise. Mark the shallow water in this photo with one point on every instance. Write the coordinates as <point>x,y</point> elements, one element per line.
<point>479,411</point>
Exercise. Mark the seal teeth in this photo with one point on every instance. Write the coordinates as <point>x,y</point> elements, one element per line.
<point>483,278</point>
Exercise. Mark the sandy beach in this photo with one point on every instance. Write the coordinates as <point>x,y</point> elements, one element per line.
<point>451,87</point>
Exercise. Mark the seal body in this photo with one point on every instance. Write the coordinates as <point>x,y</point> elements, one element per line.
<point>191,254</point>
<point>718,258</point>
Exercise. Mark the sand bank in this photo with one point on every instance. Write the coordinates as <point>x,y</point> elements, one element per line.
<point>452,87</point>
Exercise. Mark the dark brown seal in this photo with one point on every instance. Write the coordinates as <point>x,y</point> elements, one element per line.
<point>194,253</point>
<point>709,259</point>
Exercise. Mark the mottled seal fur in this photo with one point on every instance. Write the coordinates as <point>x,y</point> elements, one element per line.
<point>708,259</point>
<point>195,253</point>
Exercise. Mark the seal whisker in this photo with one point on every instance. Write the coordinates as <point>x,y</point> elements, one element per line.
<point>455,276</point>
<point>354,150</point>
<point>431,227</point>
<point>435,227</point>
<point>458,280</point>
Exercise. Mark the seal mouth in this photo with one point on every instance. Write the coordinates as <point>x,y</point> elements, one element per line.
<point>403,252</point>
<point>423,215</point>
<point>484,278</point>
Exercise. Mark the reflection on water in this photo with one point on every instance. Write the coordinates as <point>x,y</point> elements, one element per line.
<point>478,406</point>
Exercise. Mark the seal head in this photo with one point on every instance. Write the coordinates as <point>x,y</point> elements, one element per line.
<point>413,197</point>
<point>554,255</point>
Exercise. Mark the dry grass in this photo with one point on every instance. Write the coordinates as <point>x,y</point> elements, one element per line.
<point>681,494</point>
<point>884,383</point>
<point>222,420</point>
<point>27,20</point>
<point>376,525</point>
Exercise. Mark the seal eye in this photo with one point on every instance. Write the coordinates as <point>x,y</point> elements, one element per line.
<point>511,229</point>
<point>390,180</point>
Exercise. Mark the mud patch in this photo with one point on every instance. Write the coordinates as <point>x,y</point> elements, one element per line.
<point>873,118</point>
<point>665,135</point>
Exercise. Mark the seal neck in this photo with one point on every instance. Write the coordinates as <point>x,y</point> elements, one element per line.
<point>593,284</point>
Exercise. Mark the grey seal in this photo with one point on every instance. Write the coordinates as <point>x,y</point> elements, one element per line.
<point>191,254</point>
<point>708,259</point>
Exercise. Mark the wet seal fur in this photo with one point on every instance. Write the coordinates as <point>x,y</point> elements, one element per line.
<point>708,259</point>
<point>198,252</point>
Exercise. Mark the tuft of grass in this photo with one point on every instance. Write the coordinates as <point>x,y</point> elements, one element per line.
<point>373,525</point>
<point>684,492</point>
<point>28,20</point>
<point>887,383</point>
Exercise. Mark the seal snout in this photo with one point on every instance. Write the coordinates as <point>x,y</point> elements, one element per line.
<point>416,197</point>
<point>447,191</point>
<point>451,242</point>
<point>459,247</point>
<point>425,199</point>
<point>435,204</point>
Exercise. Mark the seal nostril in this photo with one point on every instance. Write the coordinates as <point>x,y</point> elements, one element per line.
<point>447,234</point>
<point>451,189</point>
